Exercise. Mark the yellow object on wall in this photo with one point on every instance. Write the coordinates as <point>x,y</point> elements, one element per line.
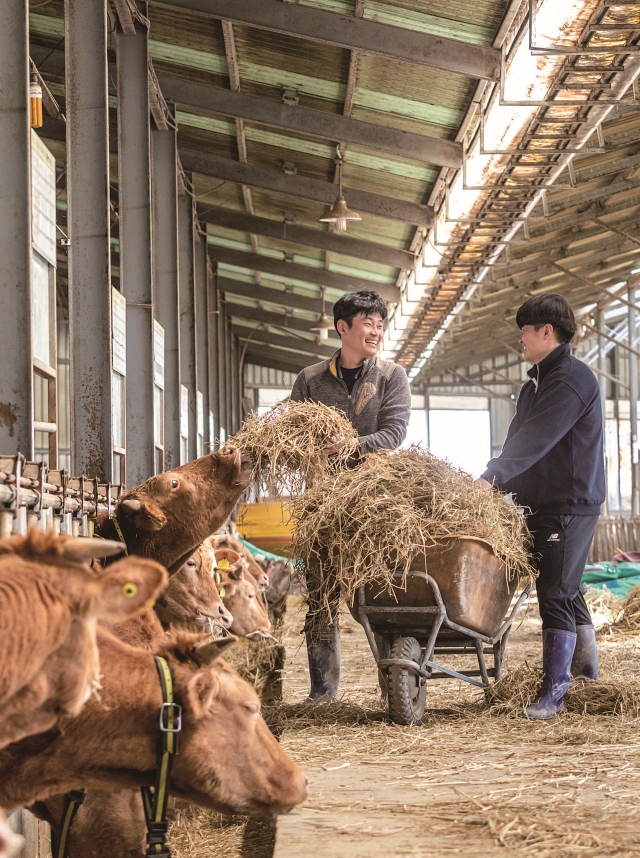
<point>265,524</point>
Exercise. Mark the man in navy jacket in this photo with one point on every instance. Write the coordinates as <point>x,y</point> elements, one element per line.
<point>553,463</point>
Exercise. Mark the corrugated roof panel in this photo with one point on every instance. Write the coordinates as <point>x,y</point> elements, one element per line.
<point>278,60</point>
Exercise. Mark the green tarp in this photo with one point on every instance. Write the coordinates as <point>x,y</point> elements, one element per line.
<point>619,578</point>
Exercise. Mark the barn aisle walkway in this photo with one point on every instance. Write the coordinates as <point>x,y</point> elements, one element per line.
<point>461,784</point>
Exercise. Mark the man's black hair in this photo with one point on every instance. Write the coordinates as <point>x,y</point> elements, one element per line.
<point>549,309</point>
<point>353,303</point>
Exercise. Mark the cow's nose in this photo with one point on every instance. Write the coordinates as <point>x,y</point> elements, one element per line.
<point>222,610</point>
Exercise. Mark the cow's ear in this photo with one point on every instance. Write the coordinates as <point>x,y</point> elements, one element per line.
<point>202,691</point>
<point>209,652</point>
<point>235,572</point>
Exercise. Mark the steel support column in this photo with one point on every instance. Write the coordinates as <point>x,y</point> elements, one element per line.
<point>223,359</point>
<point>235,382</point>
<point>165,253</point>
<point>88,219</point>
<point>202,332</point>
<point>212,353</point>
<point>135,247</point>
<point>187,290</point>
<point>633,399</point>
<point>602,379</point>
<point>16,385</point>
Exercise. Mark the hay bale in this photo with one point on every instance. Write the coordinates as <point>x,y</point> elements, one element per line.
<point>286,444</point>
<point>375,518</point>
<point>261,664</point>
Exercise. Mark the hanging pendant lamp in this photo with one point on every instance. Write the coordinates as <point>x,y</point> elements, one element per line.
<point>339,213</point>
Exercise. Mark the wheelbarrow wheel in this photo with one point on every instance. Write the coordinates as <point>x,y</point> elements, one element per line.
<point>407,690</point>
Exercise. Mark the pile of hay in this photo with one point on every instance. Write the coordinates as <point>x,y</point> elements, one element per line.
<point>287,444</point>
<point>627,619</point>
<point>393,506</point>
<point>517,689</point>
<point>260,663</point>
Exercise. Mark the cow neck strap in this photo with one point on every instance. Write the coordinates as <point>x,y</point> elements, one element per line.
<point>72,802</point>
<point>155,801</point>
<point>119,534</point>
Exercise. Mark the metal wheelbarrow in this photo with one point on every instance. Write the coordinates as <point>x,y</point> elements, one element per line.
<point>456,602</point>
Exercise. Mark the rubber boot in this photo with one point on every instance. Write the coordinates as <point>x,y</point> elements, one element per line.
<point>323,650</point>
<point>585,656</point>
<point>557,651</point>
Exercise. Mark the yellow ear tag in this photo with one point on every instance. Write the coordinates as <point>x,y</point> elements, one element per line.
<point>222,591</point>
<point>217,577</point>
<point>224,565</point>
<point>129,590</point>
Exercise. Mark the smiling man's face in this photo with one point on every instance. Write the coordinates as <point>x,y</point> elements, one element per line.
<point>361,340</point>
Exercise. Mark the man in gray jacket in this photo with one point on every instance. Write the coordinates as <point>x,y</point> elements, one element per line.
<point>375,396</point>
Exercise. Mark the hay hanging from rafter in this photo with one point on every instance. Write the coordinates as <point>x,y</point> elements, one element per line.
<point>374,519</point>
<point>286,444</point>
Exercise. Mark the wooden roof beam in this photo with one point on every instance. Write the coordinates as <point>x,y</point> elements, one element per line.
<point>309,189</point>
<point>345,31</point>
<point>295,271</point>
<point>312,123</point>
<point>333,242</point>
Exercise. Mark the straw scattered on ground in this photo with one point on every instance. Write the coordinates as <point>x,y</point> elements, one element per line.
<point>374,519</point>
<point>286,444</point>
<point>627,620</point>
<point>613,696</point>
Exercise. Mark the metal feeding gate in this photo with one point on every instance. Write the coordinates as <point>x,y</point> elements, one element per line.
<point>31,493</point>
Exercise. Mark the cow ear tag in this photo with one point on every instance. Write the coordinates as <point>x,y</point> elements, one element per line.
<point>129,590</point>
<point>224,565</point>
<point>217,577</point>
<point>222,591</point>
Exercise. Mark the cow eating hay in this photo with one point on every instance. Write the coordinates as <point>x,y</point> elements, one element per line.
<point>373,520</point>
<point>286,444</point>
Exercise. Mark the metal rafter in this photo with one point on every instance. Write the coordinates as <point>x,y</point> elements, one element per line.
<point>295,271</point>
<point>353,33</point>
<point>300,186</point>
<point>342,244</point>
<point>272,296</point>
<point>311,123</point>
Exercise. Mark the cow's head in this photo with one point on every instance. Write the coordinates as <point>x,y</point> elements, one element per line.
<point>240,595</point>
<point>229,760</point>
<point>191,600</point>
<point>170,514</point>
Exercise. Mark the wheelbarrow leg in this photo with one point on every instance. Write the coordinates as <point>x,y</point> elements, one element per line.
<point>481,662</point>
<point>384,649</point>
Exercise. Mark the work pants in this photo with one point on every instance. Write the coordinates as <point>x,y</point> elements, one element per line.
<point>561,544</point>
<point>323,596</point>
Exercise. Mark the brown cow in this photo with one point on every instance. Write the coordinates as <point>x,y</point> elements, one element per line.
<point>240,595</point>
<point>191,600</point>
<point>226,540</point>
<point>169,515</point>
<point>49,603</point>
<point>228,761</point>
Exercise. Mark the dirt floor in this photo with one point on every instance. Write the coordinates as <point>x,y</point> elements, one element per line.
<point>465,782</point>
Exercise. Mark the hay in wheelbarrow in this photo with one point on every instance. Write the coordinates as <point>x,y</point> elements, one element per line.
<point>286,444</point>
<point>371,521</point>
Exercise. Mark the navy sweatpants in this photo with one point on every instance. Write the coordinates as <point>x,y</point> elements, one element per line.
<point>560,549</point>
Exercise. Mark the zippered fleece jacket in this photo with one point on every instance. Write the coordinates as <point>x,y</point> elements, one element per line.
<point>553,458</point>
<point>378,407</point>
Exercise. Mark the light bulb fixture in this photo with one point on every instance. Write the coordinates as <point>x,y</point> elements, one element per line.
<point>339,213</point>
<point>323,325</point>
<point>35,101</point>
